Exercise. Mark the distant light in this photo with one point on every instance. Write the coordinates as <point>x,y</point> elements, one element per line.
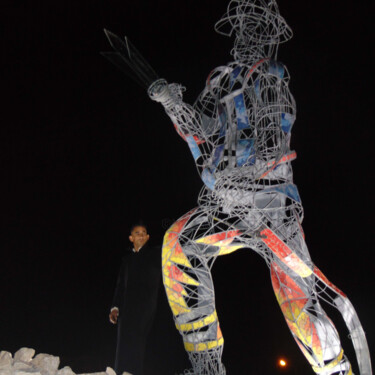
<point>282,363</point>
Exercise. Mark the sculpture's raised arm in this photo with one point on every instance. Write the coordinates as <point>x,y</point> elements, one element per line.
<point>184,117</point>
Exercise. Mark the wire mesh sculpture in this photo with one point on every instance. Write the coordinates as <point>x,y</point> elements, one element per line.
<point>238,132</point>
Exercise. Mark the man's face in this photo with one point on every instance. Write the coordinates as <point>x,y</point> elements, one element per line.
<point>138,237</point>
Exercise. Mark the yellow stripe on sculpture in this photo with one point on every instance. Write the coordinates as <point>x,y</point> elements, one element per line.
<point>223,241</point>
<point>191,347</point>
<point>331,365</point>
<point>177,256</point>
<point>199,324</point>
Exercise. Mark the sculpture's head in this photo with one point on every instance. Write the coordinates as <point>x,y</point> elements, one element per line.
<point>255,23</point>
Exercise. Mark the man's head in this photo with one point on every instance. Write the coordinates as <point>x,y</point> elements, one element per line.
<point>138,236</point>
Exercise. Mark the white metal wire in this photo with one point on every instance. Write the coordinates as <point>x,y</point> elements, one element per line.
<point>238,132</point>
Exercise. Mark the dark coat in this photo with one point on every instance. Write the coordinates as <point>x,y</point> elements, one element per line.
<point>135,295</point>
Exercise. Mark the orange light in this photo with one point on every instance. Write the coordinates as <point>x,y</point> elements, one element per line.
<point>282,363</point>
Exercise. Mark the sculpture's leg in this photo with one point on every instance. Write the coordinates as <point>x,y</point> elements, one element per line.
<point>190,291</point>
<point>312,329</point>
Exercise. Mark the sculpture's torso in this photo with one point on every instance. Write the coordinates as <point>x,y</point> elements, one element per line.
<point>247,113</point>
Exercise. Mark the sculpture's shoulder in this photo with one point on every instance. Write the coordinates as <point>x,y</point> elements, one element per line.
<point>278,69</point>
<point>221,81</point>
<point>262,67</point>
<point>217,80</point>
<point>234,76</point>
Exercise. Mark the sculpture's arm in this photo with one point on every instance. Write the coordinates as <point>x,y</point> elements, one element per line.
<point>131,62</point>
<point>187,121</point>
<point>184,117</point>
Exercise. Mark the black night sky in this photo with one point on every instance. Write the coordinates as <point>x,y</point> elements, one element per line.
<point>84,152</point>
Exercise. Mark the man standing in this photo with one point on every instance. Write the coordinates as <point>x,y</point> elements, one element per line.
<point>134,301</point>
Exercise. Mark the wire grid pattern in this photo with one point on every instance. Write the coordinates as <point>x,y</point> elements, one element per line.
<point>238,132</point>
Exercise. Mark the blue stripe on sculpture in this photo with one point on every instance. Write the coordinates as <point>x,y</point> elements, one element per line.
<point>290,190</point>
<point>193,147</point>
<point>222,119</point>
<point>218,154</point>
<point>242,119</point>
<point>287,121</point>
<point>245,152</point>
<point>276,69</point>
<point>208,178</point>
<point>234,75</point>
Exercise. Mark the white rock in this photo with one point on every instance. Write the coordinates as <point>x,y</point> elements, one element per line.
<point>26,372</point>
<point>46,362</point>
<point>110,371</point>
<point>23,363</point>
<point>24,355</point>
<point>23,366</point>
<point>5,371</point>
<point>5,359</point>
<point>65,371</point>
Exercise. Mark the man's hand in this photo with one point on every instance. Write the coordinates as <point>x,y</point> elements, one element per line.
<point>113,316</point>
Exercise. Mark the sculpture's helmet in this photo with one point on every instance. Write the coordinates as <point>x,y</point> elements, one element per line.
<point>254,22</point>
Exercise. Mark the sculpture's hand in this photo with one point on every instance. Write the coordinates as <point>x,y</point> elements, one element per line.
<point>167,94</point>
<point>113,315</point>
<point>158,90</point>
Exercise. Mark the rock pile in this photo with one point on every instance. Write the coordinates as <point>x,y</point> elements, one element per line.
<point>24,363</point>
